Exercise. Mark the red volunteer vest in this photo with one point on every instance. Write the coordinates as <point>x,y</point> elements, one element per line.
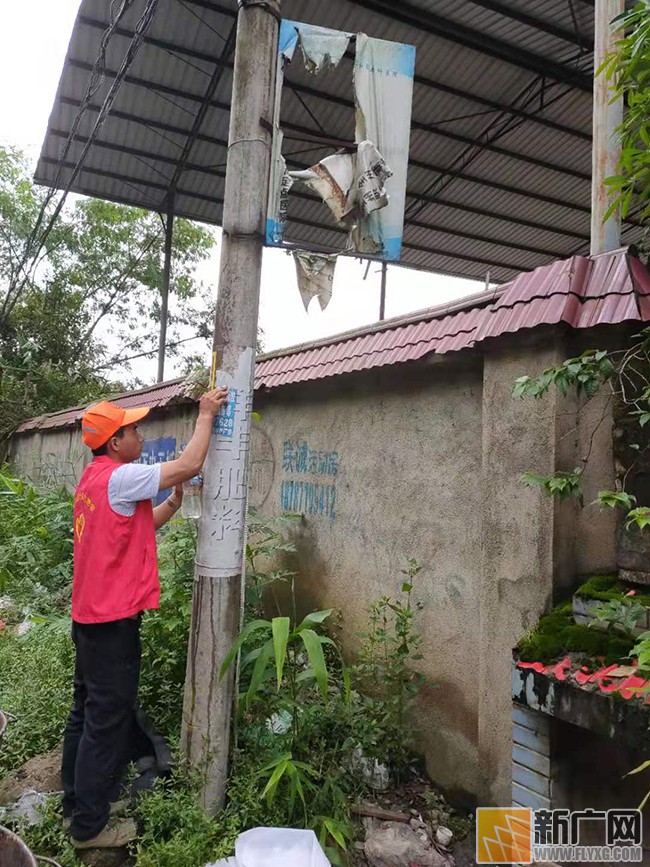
<point>115,563</point>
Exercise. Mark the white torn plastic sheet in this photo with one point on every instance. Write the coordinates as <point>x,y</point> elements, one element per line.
<point>322,47</point>
<point>276,847</point>
<point>315,276</point>
<point>333,179</point>
<point>350,183</point>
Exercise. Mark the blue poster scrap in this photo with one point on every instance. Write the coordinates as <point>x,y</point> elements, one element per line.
<point>310,497</point>
<point>224,422</point>
<point>157,452</point>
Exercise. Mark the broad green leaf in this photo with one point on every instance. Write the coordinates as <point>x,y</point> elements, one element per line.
<point>280,626</point>
<point>315,653</point>
<point>274,779</point>
<point>274,762</point>
<point>334,829</point>
<point>292,770</point>
<point>259,670</point>
<point>244,635</point>
<point>314,618</point>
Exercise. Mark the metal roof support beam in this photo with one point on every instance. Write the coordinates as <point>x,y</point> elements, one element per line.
<point>502,107</point>
<point>608,116</point>
<point>215,200</point>
<point>536,23</point>
<point>215,104</point>
<point>431,129</point>
<point>116,176</point>
<point>423,81</point>
<point>463,139</point>
<point>145,155</point>
<point>484,44</point>
<point>458,33</point>
<point>163,44</point>
<point>211,89</point>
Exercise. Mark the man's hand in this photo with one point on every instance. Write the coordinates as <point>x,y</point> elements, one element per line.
<point>191,460</point>
<point>211,402</point>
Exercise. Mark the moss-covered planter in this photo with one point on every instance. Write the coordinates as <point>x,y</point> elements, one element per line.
<point>558,634</point>
<point>584,612</point>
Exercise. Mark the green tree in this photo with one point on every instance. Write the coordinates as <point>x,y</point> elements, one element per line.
<point>87,297</point>
<point>629,72</point>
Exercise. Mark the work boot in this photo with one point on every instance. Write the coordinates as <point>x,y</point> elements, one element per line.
<point>117,833</point>
<point>117,808</point>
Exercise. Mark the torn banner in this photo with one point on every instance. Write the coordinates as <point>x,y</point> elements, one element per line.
<point>350,183</point>
<point>383,84</point>
<point>315,277</point>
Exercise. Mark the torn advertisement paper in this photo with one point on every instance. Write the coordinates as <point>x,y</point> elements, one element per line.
<point>351,184</point>
<point>333,180</point>
<point>315,276</point>
<point>383,88</point>
<point>281,183</point>
<point>321,47</point>
<point>383,85</point>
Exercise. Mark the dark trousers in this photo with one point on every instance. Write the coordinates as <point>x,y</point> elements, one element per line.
<point>98,736</point>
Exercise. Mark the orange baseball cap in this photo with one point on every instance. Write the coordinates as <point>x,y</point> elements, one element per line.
<point>101,421</point>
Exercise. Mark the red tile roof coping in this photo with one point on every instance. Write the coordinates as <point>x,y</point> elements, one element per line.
<point>581,292</point>
<point>621,679</point>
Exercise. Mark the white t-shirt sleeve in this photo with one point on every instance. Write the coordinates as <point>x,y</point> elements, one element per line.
<point>131,483</point>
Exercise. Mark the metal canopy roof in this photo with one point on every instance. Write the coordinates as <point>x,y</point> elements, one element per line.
<point>500,157</point>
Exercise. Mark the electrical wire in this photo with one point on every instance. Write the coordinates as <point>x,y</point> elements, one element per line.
<point>95,82</point>
<point>115,361</point>
<point>35,244</point>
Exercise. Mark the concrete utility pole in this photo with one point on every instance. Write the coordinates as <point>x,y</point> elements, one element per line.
<point>607,117</point>
<point>164,301</point>
<point>220,552</point>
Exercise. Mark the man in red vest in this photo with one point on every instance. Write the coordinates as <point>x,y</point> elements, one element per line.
<point>115,580</point>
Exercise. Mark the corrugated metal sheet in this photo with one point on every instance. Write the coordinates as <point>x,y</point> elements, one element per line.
<point>580,292</point>
<point>496,153</point>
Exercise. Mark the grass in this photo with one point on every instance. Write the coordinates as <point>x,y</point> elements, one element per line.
<point>36,687</point>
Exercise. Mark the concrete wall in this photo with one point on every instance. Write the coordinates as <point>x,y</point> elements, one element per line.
<point>424,460</point>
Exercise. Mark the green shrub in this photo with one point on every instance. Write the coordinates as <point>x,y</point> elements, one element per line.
<point>36,686</point>
<point>165,631</point>
<point>35,546</point>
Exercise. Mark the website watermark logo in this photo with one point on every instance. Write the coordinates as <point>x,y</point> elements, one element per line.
<point>518,835</point>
